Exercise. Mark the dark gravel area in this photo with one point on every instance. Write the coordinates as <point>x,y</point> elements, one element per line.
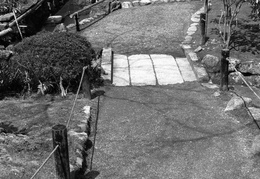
<point>158,28</point>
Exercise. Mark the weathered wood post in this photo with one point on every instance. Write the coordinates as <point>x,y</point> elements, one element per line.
<point>76,19</point>
<point>206,10</point>
<point>224,70</point>
<point>61,155</point>
<point>203,28</point>
<point>86,84</point>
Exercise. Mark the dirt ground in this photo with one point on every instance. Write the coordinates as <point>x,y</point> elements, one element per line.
<point>145,29</point>
<point>26,133</point>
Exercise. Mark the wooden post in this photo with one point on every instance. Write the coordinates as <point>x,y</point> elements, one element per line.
<point>203,28</point>
<point>76,19</point>
<point>86,84</point>
<point>206,9</point>
<point>112,66</point>
<point>224,70</point>
<point>61,155</point>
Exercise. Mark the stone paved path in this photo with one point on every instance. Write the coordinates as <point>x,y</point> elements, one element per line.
<point>148,69</point>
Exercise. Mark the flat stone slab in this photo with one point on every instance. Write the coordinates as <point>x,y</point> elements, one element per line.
<point>186,70</point>
<point>120,70</point>
<point>145,69</point>
<point>141,70</point>
<point>166,69</point>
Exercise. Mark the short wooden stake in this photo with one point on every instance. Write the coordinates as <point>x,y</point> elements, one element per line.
<point>86,85</point>
<point>203,28</point>
<point>76,19</point>
<point>224,70</point>
<point>61,155</point>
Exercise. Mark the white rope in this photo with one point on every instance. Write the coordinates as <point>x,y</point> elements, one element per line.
<point>74,103</point>
<point>37,171</point>
<point>241,76</point>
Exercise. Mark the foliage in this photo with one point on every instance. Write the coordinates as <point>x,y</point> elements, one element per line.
<point>49,57</point>
<point>228,18</point>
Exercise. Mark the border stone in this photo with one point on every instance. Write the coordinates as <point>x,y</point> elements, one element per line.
<point>78,138</point>
<point>136,3</point>
<point>127,4</point>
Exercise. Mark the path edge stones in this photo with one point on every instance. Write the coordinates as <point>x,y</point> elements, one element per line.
<point>198,69</point>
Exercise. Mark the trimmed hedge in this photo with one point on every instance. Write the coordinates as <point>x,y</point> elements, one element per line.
<point>51,55</point>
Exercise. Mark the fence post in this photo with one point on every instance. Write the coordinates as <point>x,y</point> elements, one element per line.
<point>206,9</point>
<point>76,19</point>
<point>203,28</point>
<point>224,70</point>
<point>61,155</point>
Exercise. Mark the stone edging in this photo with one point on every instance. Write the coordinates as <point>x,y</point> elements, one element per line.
<point>77,139</point>
<point>129,4</point>
<point>199,70</point>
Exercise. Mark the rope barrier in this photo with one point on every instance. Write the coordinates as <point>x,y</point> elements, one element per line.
<point>241,76</point>
<point>74,103</point>
<point>37,171</point>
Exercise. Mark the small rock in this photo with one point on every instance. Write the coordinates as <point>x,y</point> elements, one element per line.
<point>6,17</point>
<point>193,56</point>
<point>145,2</point>
<point>54,19</point>
<point>192,28</point>
<point>127,4</point>
<point>252,67</point>
<point>198,49</point>
<point>70,26</point>
<point>60,28</point>
<point>233,63</point>
<point>237,103</point>
<point>210,85</point>
<point>216,94</point>
<point>136,3</point>
<point>211,63</point>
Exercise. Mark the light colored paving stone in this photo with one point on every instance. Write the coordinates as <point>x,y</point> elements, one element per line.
<point>186,47</point>
<point>136,3</point>
<point>192,28</point>
<point>120,70</point>
<point>194,24</point>
<point>188,38</point>
<point>190,32</point>
<point>166,69</point>
<point>186,70</point>
<point>195,19</point>
<point>141,70</point>
<point>145,2</point>
<point>126,4</point>
<point>193,56</point>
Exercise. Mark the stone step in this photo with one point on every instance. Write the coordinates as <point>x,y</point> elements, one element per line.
<point>147,69</point>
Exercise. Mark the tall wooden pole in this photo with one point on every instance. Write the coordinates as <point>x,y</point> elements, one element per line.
<point>76,19</point>
<point>61,155</point>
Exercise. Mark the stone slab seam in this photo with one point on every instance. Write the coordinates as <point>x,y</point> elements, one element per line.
<point>198,69</point>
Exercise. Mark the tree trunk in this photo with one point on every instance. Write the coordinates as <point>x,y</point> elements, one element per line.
<point>224,70</point>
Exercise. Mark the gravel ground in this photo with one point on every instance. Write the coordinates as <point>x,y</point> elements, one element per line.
<point>178,131</point>
<point>147,29</point>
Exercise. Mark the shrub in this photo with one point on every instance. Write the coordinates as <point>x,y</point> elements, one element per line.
<point>49,57</point>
